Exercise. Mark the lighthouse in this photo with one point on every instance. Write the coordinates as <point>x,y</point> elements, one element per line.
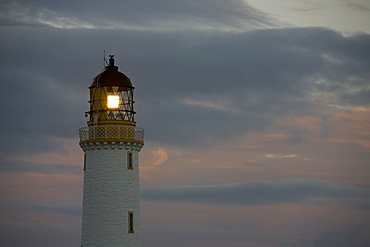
<point>111,143</point>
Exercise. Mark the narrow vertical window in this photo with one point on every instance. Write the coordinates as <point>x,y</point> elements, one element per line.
<point>129,160</point>
<point>84,161</point>
<point>130,222</point>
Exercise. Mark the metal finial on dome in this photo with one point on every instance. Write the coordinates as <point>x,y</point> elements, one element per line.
<point>111,60</point>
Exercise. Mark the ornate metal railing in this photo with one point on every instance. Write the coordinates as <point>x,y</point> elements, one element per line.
<point>111,132</point>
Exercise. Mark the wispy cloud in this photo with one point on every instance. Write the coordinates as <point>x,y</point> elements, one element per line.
<point>308,2</point>
<point>256,193</point>
<point>354,6</point>
<point>148,15</point>
<point>274,156</point>
<point>304,6</point>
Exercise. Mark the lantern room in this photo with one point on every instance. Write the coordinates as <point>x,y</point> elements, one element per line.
<point>111,98</point>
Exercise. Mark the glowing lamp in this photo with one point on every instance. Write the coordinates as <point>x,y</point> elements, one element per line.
<point>113,101</point>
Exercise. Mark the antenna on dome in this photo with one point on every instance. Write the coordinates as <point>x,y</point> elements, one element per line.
<point>105,62</point>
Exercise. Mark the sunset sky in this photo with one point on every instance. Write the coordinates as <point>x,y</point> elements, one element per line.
<point>256,117</point>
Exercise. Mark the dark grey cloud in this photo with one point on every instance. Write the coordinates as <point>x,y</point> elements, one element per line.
<point>355,236</point>
<point>130,14</point>
<point>255,78</point>
<point>351,236</point>
<point>335,239</point>
<point>192,88</point>
<point>59,209</point>
<point>38,110</point>
<point>40,234</point>
<point>10,165</point>
<point>256,193</point>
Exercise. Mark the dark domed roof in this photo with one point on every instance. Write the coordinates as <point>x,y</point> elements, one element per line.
<point>111,77</point>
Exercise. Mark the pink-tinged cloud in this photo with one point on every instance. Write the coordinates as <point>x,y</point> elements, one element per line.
<point>299,10</point>
<point>352,126</point>
<point>41,188</point>
<point>159,156</point>
<point>354,6</point>
<point>68,154</point>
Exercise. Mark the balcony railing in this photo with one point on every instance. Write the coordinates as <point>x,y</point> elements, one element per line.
<point>112,133</point>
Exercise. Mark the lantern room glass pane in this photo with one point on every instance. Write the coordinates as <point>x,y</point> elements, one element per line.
<point>111,103</point>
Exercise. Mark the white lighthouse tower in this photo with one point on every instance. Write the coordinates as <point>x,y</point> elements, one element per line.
<point>111,143</point>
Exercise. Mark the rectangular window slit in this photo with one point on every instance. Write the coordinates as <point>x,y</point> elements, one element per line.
<point>129,161</point>
<point>130,222</point>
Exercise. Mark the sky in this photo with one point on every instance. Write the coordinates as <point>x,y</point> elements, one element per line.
<point>256,117</point>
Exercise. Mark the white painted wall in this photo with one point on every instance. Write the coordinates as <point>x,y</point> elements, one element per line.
<point>110,192</point>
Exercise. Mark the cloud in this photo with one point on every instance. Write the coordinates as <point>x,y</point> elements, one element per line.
<point>255,193</point>
<point>274,156</point>
<point>147,15</point>
<point>354,6</point>
<point>58,235</point>
<point>15,166</point>
<point>246,81</point>
<point>159,156</point>
<point>192,88</point>
<point>60,209</point>
<point>334,239</point>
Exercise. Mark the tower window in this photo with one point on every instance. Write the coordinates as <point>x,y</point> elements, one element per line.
<point>129,160</point>
<point>130,222</point>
